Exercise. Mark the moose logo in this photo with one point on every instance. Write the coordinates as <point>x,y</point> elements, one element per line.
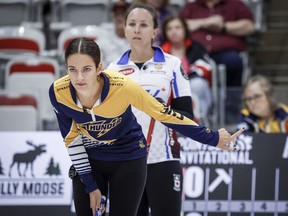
<point>27,158</point>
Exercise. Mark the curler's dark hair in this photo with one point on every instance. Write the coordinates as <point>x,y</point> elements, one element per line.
<point>82,45</point>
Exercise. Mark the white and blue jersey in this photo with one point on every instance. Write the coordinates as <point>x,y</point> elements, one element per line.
<point>163,77</point>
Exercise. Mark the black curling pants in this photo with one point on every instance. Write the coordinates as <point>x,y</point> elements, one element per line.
<point>163,191</point>
<point>123,180</point>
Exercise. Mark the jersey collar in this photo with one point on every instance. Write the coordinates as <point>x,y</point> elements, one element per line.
<point>158,56</point>
<point>106,86</point>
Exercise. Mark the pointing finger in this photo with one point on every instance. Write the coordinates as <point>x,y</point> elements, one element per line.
<point>237,133</point>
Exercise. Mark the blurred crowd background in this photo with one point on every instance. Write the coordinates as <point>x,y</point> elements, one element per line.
<point>34,34</point>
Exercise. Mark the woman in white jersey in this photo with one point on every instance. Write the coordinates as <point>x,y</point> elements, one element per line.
<point>161,75</point>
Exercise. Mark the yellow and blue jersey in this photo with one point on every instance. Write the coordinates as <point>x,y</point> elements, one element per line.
<point>252,123</point>
<point>109,131</point>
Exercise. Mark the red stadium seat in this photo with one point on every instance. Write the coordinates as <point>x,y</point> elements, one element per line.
<point>18,113</point>
<point>32,65</point>
<point>15,41</point>
<point>33,75</point>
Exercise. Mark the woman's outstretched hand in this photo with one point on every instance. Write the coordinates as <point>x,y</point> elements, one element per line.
<point>225,138</point>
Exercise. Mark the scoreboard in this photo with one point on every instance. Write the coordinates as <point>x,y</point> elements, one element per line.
<point>253,180</point>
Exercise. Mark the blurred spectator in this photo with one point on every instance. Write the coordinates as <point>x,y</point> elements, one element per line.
<point>114,43</point>
<point>163,9</point>
<point>262,112</point>
<point>222,27</point>
<point>194,57</point>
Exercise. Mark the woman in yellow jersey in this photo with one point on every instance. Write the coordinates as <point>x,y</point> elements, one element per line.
<point>104,141</point>
<point>262,113</point>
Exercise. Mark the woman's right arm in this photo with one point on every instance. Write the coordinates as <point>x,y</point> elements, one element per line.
<point>73,142</point>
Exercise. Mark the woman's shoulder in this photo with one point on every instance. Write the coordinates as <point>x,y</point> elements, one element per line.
<point>60,84</point>
<point>284,107</point>
<point>171,59</point>
<point>115,78</point>
<point>282,111</point>
<point>161,53</point>
<point>59,89</point>
<point>245,112</point>
<point>65,80</point>
<point>113,75</point>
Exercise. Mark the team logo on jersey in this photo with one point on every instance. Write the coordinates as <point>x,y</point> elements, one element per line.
<point>127,71</point>
<point>177,182</point>
<point>183,72</point>
<point>141,144</point>
<point>158,66</point>
<point>208,130</point>
<point>102,127</point>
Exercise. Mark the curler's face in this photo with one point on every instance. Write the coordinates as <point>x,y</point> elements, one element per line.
<point>139,28</point>
<point>82,71</point>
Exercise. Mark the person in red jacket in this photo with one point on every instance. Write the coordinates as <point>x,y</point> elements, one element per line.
<point>222,27</point>
<point>195,60</point>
